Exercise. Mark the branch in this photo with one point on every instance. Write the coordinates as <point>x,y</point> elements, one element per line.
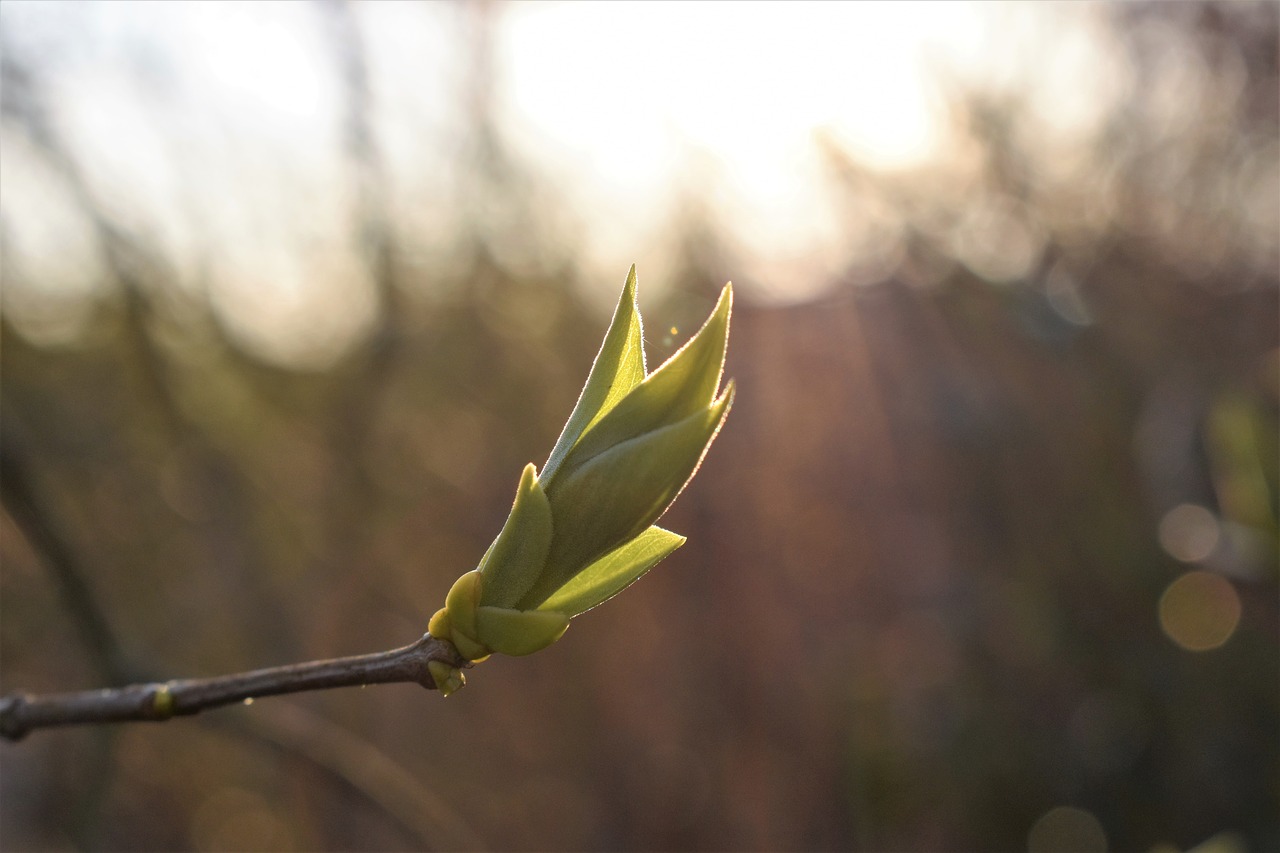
<point>20,713</point>
<point>30,512</point>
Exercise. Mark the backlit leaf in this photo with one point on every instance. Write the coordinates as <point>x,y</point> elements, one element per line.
<point>619,367</point>
<point>685,383</point>
<point>613,572</point>
<point>618,494</point>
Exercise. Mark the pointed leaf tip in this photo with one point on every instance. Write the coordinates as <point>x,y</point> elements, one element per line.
<point>618,367</point>
<point>613,572</point>
<point>683,384</point>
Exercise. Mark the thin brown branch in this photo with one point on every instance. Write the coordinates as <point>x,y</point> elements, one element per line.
<point>20,713</point>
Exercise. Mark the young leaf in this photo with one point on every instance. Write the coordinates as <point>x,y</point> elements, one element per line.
<point>615,496</point>
<point>613,572</point>
<point>519,632</point>
<point>515,559</point>
<point>619,367</point>
<point>685,383</point>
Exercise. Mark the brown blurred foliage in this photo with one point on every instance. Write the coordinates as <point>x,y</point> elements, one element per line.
<point>919,605</point>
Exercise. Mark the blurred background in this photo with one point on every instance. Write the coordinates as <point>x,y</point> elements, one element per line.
<point>984,559</point>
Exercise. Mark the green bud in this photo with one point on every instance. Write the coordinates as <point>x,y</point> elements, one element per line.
<point>162,702</point>
<point>583,531</point>
<point>448,679</point>
<point>457,621</point>
<point>462,601</point>
<point>440,626</point>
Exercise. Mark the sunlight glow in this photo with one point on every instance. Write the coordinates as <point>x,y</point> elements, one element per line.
<point>753,81</point>
<point>635,101</point>
<point>219,132</point>
<point>266,57</point>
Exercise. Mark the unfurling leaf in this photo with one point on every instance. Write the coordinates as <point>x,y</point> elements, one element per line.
<point>619,367</point>
<point>613,572</point>
<point>584,530</point>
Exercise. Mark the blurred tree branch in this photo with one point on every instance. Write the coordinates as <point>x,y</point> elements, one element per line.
<point>30,513</point>
<point>136,272</point>
<point>20,713</point>
<point>427,820</point>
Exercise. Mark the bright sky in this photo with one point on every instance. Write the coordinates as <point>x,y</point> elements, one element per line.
<point>215,129</point>
<point>619,96</point>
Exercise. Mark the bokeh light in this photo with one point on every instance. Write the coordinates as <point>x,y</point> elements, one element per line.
<point>1200,611</point>
<point>1189,533</point>
<point>1066,829</point>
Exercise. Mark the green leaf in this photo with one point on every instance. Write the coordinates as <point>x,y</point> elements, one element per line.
<point>516,557</point>
<point>519,632</point>
<point>615,496</point>
<point>685,383</point>
<point>613,572</point>
<point>619,367</point>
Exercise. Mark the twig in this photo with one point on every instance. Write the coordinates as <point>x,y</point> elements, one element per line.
<point>20,713</point>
